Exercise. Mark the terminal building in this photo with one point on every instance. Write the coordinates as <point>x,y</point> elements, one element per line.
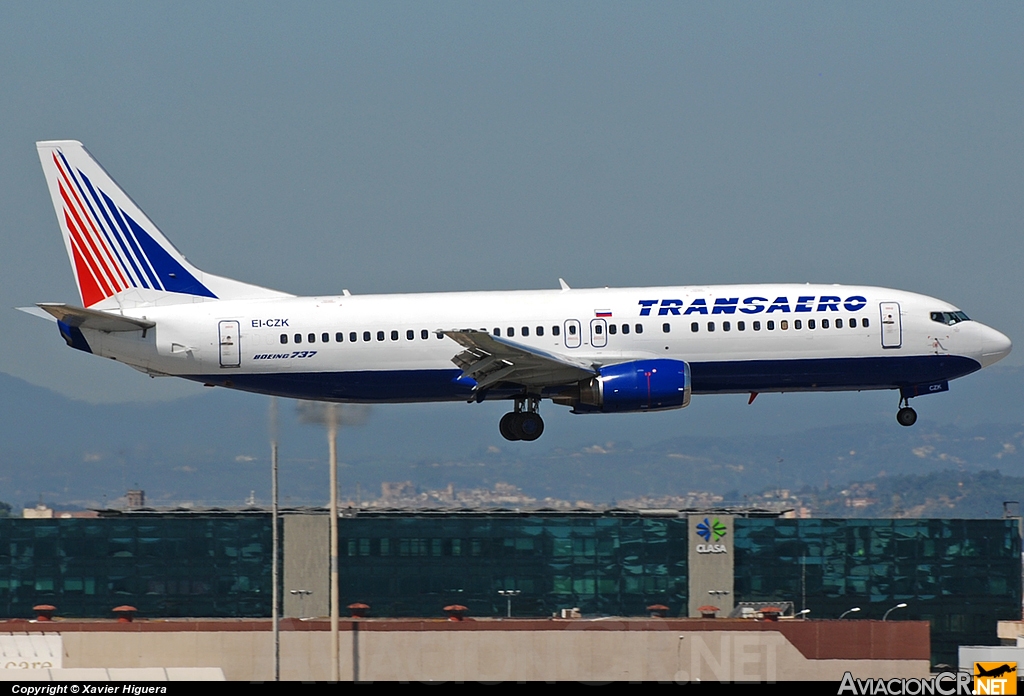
<point>961,576</point>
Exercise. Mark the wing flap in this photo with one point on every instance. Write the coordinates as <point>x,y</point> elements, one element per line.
<point>491,359</point>
<point>94,319</point>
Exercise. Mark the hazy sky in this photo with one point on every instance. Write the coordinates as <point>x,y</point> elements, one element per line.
<point>410,147</point>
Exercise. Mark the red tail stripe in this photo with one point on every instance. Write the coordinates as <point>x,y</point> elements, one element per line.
<point>97,262</point>
<point>89,281</point>
<point>91,292</point>
<point>115,272</point>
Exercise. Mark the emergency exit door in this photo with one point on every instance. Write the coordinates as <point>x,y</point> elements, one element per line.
<point>230,352</point>
<point>892,325</point>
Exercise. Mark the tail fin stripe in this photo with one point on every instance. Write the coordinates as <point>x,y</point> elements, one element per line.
<point>91,292</point>
<point>108,260</point>
<point>131,266</point>
<point>85,268</point>
<point>89,244</point>
<point>117,257</point>
<point>125,233</point>
<point>78,231</point>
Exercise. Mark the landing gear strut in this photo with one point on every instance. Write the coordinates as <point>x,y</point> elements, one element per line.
<point>906,416</point>
<point>524,423</point>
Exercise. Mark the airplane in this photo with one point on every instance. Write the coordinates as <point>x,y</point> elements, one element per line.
<point>602,350</point>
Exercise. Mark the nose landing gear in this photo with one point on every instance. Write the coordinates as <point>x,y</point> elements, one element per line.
<point>906,416</point>
<point>524,423</point>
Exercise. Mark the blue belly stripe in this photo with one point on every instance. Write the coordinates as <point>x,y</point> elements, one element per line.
<point>733,376</point>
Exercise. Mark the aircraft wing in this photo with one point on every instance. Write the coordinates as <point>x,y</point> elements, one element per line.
<point>491,359</point>
<point>94,319</point>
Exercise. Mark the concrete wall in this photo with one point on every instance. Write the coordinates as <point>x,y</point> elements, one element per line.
<point>306,549</point>
<point>710,571</point>
<point>492,650</point>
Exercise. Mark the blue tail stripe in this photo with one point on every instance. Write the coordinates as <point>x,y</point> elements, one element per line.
<point>121,248</point>
<point>118,213</point>
<point>172,274</point>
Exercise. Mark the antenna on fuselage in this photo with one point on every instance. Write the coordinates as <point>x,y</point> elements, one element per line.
<point>565,285</point>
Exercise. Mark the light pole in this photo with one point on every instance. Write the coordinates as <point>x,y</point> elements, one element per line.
<point>332,441</point>
<point>301,594</point>
<point>849,611</point>
<point>275,595</point>
<point>508,595</point>
<point>901,605</point>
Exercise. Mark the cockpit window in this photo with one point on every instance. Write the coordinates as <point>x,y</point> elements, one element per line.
<point>949,318</point>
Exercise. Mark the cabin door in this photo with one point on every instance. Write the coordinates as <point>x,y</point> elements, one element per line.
<point>230,352</point>
<point>573,335</point>
<point>892,325</point>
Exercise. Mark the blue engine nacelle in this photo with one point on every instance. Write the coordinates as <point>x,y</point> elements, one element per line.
<point>641,385</point>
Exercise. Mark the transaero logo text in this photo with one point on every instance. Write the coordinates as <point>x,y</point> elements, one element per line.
<point>711,531</point>
<point>943,684</point>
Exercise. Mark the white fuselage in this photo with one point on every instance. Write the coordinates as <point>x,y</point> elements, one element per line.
<point>740,338</point>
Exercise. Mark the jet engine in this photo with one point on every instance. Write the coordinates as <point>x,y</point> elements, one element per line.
<point>640,385</point>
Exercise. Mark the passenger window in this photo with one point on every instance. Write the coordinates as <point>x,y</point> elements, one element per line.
<point>380,335</point>
<point>284,338</point>
<point>366,335</point>
<point>598,330</point>
<point>784,324</point>
<point>741,325</point>
<point>540,330</point>
<point>497,331</point>
<point>839,323</point>
<point>665,328</point>
<point>797,324</point>
<point>824,323</point>
<point>352,336</point>
<point>613,329</point>
<point>770,326</point>
<point>394,335</point>
<point>410,334</point>
<point>311,338</point>
<point>556,330</point>
<point>757,326</point>
<point>440,335</point>
<point>526,331</point>
<point>339,337</point>
<point>639,328</point>
<point>711,326</point>
<point>853,323</point>
<point>511,331</point>
<point>726,326</point>
<point>325,338</point>
<point>864,322</point>
<point>810,323</point>
<point>424,334</point>
<point>694,327</point>
<point>298,338</point>
<point>625,329</point>
<point>572,329</point>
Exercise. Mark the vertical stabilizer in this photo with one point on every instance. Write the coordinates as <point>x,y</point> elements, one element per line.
<point>119,257</point>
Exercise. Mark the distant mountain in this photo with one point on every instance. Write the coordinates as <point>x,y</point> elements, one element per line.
<point>213,448</point>
<point>947,493</point>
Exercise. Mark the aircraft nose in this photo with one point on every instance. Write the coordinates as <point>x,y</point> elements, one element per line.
<point>994,346</point>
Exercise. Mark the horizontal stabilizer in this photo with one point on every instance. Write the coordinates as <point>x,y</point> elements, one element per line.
<point>94,319</point>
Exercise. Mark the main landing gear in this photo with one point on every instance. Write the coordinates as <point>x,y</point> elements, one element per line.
<point>906,416</point>
<point>524,423</point>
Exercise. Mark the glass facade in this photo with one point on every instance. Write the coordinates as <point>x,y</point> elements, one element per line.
<point>961,575</point>
<point>167,566</point>
<point>413,564</point>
